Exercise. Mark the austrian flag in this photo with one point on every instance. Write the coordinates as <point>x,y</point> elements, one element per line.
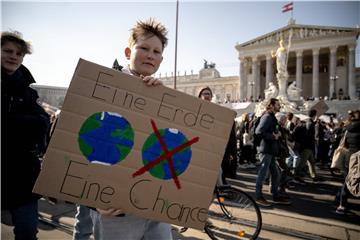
<point>287,7</point>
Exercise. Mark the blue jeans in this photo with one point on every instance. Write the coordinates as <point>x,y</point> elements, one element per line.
<point>267,163</point>
<point>83,228</point>
<point>25,220</point>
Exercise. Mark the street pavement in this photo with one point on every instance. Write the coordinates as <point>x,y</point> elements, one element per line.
<point>310,216</point>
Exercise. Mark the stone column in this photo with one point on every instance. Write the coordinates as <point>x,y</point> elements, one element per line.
<point>254,71</point>
<point>257,82</point>
<point>315,73</point>
<point>243,85</point>
<point>299,68</point>
<point>332,70</point>
<point>269,70</point>
<point>233,94</point>
<point>351,80</point>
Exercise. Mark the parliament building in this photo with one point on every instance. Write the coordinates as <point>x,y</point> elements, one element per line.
<point>321,61</point>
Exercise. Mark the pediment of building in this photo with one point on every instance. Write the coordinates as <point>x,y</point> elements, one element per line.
<point>300,32</point>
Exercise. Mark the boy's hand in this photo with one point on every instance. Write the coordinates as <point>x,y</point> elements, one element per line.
<point>110,211</point>
<point>151,81</point>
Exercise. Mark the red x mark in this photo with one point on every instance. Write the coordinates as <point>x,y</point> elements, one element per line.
<point>167,155</point>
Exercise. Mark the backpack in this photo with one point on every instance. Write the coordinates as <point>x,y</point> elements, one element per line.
<point>256,137</point>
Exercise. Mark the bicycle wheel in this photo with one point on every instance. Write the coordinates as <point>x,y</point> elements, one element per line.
<point>233,215</point>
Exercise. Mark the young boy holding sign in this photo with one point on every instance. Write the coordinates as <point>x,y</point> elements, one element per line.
<point>146,44</point>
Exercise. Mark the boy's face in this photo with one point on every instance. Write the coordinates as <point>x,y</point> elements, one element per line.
<point>11,57</point>
<point>145,56</point>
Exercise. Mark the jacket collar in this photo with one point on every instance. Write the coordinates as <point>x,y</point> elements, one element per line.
<point>21,78</point>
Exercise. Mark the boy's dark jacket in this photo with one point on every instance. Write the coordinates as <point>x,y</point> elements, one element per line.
<point>24,126</point>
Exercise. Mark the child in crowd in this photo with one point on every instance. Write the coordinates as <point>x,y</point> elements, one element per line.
<point>24,127</point>
<point>145,53</point>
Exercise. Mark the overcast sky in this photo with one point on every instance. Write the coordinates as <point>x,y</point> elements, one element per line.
<point>62,32</point>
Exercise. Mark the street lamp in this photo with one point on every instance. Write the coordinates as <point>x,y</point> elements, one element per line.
<point>252,83</point>
<point>334,78</point>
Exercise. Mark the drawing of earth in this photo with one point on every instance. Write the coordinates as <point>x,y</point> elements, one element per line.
<point>152,150</point>
<point>106,138</point>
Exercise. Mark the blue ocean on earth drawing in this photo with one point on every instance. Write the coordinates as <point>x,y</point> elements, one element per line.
<point>106,138</point>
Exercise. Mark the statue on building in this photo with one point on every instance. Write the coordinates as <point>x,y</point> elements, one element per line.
<point>206,64</point>
<point>211,65</point>
<point>271,91</point>
<point>293,92</point>
<point>281,66</point>
<point>280,55</point>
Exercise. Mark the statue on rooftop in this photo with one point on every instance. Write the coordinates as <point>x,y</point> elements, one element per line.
<point>281,66</point>
<point>211,65</point>
<point>206,64</point>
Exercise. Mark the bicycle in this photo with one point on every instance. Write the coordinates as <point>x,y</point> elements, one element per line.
<point>233,214</point>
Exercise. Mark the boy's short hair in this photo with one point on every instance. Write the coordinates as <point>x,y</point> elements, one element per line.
<point>16,38</point>
<point>148,28</point>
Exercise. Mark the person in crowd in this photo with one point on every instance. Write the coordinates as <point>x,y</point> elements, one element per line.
<point>353,143</point>
<point>337,134</point>
<point>324,144</point>
<point>294,142</point>
<point>307,140</point>
<point>290,124</point>
<point>289,127</point>
<point>247,156</point>
<point>147,41</point>
<point>268,150</point>
<point>229,162</point>
<point>206,94</point>
<point>283,153</point>
<point>24,126</point>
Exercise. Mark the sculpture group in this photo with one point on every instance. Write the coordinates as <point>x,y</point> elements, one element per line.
<point>286,94</point>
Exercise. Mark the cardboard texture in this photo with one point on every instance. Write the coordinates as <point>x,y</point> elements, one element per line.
<point>152,151</point>
<point>321,107</point>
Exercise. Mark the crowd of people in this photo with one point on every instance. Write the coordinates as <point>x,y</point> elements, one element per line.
<point>278,144</point>
<point>289,149</point>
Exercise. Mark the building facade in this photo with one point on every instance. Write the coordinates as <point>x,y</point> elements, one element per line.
<point>321,60</point>
<point>51,95</point>
<point>225,89</point>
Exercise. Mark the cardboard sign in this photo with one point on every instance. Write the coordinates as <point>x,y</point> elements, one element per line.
<point>151,151</point>
<point>321,107</point>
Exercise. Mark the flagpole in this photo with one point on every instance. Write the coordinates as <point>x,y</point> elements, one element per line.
<point>176,37</point>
